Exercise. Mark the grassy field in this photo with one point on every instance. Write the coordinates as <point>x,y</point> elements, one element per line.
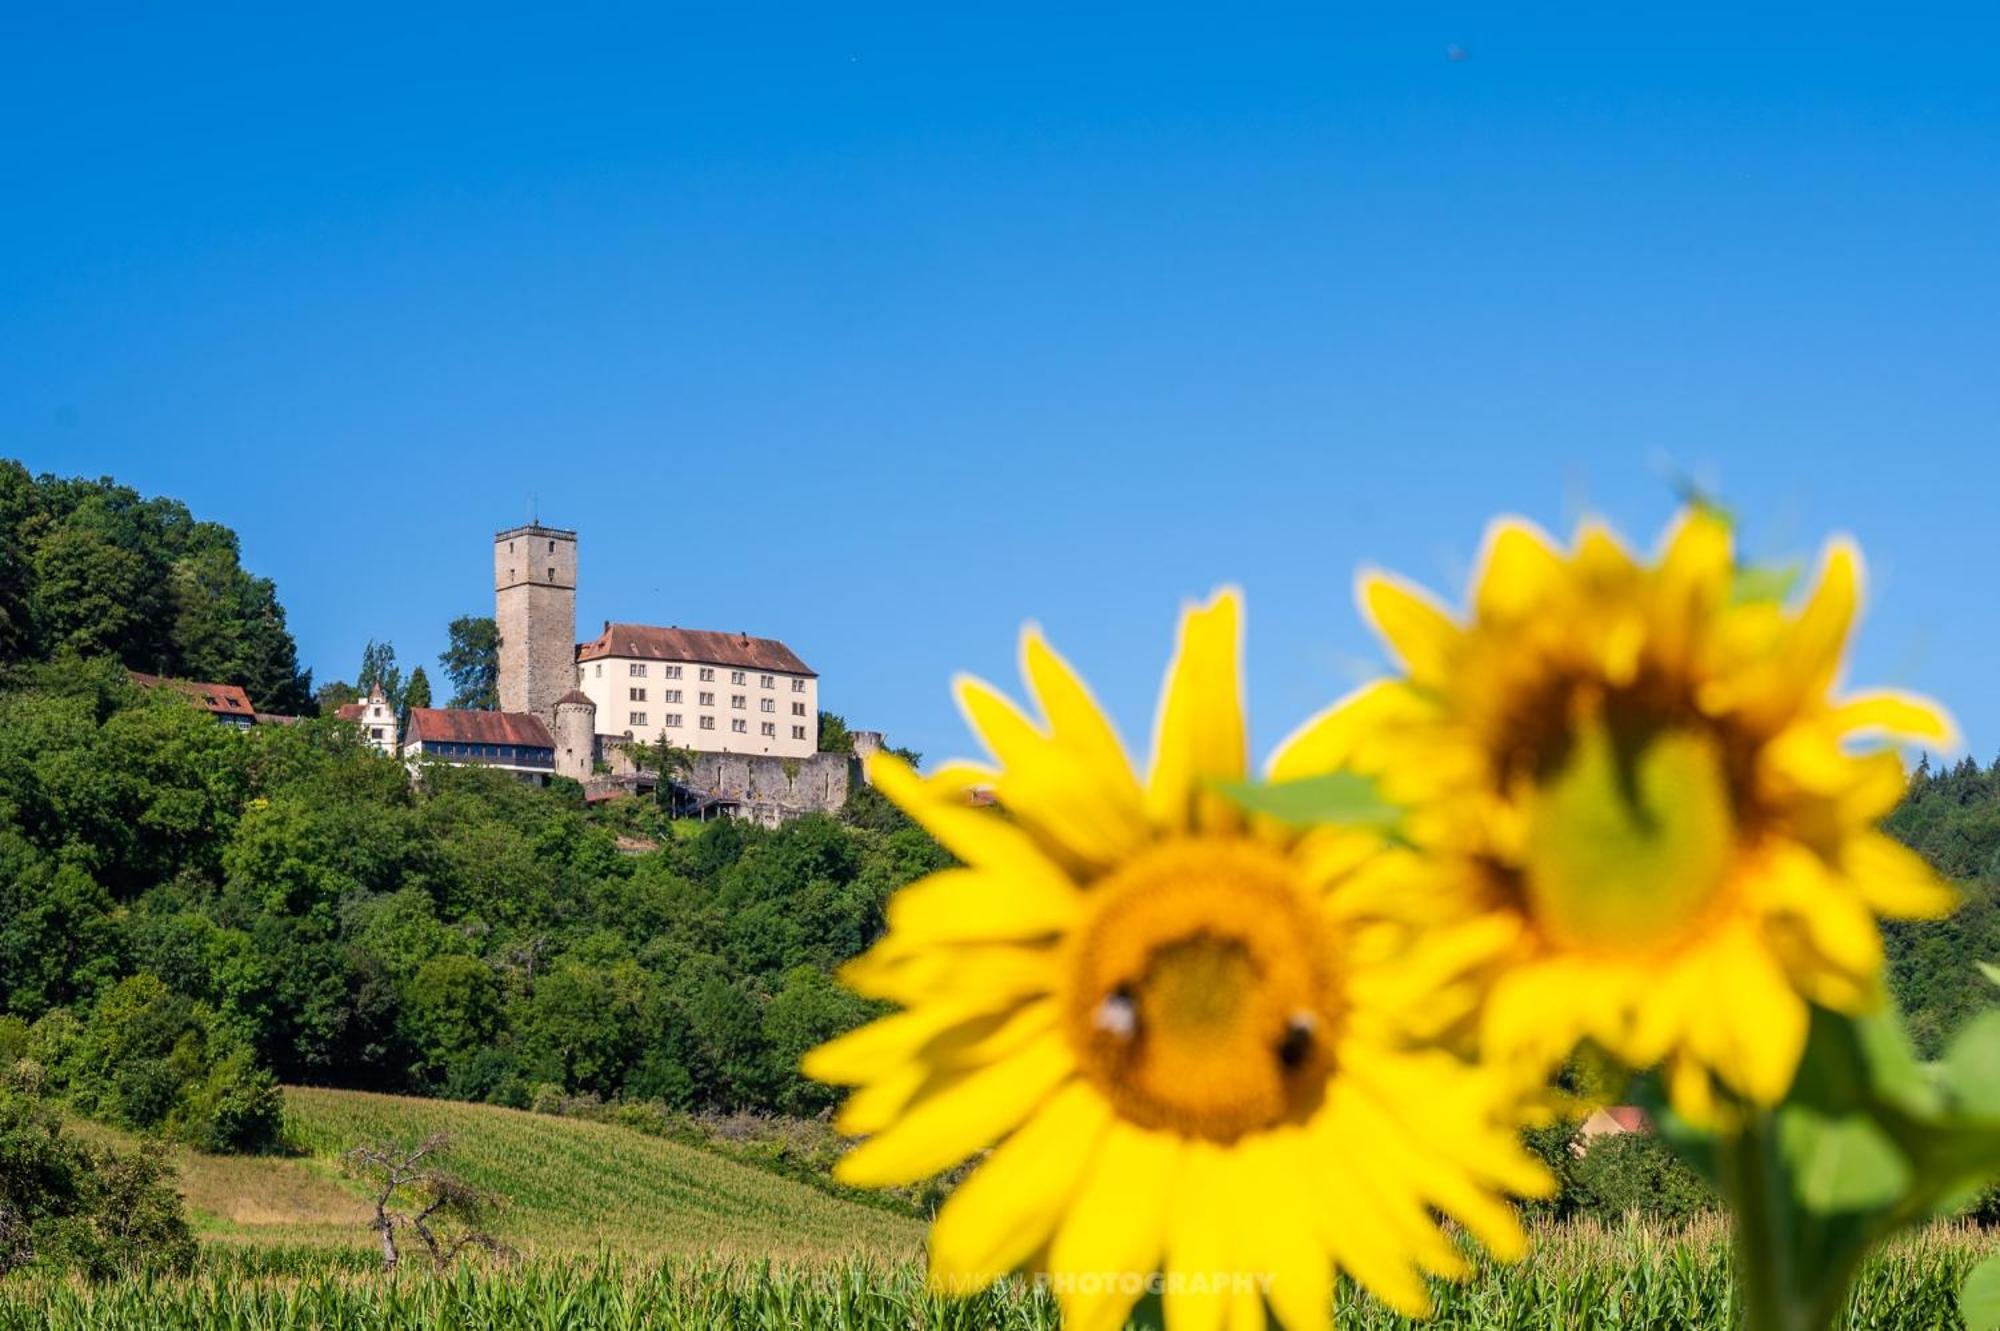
<point>618,1229</point>
<point>1578,1280</point>
<point>571,1187</point>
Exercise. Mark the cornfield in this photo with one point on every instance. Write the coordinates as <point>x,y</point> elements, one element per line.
<point>1579,1278</point>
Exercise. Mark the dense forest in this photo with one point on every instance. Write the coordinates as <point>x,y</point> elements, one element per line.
<point>186,909</point>
<point>89,568</point>
<point>190,914</point>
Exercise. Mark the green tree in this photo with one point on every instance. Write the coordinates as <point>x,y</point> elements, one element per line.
<point>333,695</point>
<point>472,662</point>
<point>67,1206</point>
<point>834,736</point>
<point>378,666</point>
<point>92,568</point>
<point>417,693</point>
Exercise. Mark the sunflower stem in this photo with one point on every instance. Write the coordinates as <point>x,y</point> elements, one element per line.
<point>1776,1295</point>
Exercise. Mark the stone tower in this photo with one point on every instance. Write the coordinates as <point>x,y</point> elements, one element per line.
<point>575,732</point>
<point>534,607</point>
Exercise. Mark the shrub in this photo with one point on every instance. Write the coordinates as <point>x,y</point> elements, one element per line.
<point>1633,1175</point>
<point>68,1207</point>
<point>149,1059</point>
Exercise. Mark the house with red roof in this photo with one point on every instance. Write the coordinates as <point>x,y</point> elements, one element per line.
<point>511,741</point>
<point>227,703</point>
<point>376,718</point>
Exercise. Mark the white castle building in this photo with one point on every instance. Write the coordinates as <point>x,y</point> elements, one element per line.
<point>709,692</point>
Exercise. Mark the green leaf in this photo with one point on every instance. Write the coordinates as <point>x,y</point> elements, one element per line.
<point>1979,1300</point>
<point>1346,799</point>
<point>1973,1066</point>
<point>1989,970</point>
<point>1840,1163</point>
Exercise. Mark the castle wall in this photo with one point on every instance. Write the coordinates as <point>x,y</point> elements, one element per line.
<point>785,787</point>
<point>767,790</point>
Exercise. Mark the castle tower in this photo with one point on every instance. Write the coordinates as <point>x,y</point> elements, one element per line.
<point>575,733</point>
<point>534,607</point>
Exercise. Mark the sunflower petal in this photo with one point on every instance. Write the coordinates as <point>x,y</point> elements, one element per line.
<point>1200,1260</point>
<point>1889,712</point>
<point>1113,1236</point>
<point>1518,570</point>
<point>980,837</point>
<point>1000,1216</point>
<point>1199,736</point>
<point>1076,721</point>
<point>1416,628</point>
<point>973,906</point>
<point>1278,1224</point>
<point>942,1128</point>
<point>1894,880</point>
<point>1094,816</point>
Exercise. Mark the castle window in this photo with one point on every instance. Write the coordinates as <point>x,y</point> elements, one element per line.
<point>771,729</point>
<point>600,670</point>
<point>552,575</point>
<point>798,709</point>
<point>738,700</point>
<point>552,547</point>
<point>740,726</point>
<point>708,723</point>
<point>736,677</point>
<point>674,720</point>
<point>765,681</point>
<point>798,686</point>
<point>707,674</point>
<point>673,695</point>
<point>638,719</point>
<point>637,695</point>
<point>510,550</point>
<point>798,732</point>
<point>673,672</point>
<point>767,705</point>
<point>707,698</point>
<point>636,670</point>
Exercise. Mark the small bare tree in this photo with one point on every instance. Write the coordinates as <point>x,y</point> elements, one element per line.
<point>411,1190</point>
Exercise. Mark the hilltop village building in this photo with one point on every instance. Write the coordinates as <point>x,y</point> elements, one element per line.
<point>227,703</point>
<point>511,741</point>
<point>376,718</point>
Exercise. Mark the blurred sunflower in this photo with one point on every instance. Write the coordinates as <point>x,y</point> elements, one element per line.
<point>1194,1061</point>
<point>1643,769</point>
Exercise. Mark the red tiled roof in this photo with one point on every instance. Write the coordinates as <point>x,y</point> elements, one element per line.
<point>1630,1117</point>
<point>698,645</point>
<point>221,699</point>
<point>456,726</point>
<point>350,711</point>
<point>576,696</point>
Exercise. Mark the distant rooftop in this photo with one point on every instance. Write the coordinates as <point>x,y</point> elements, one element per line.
<point>701,646</point>
<point>221,699</point>
<point>456,726</point>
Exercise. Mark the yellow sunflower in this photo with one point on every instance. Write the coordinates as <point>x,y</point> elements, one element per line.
<point>1644,769</point>
<point>1196,1065</point>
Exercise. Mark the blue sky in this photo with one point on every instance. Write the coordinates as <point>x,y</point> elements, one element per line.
<point>882,331</point>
